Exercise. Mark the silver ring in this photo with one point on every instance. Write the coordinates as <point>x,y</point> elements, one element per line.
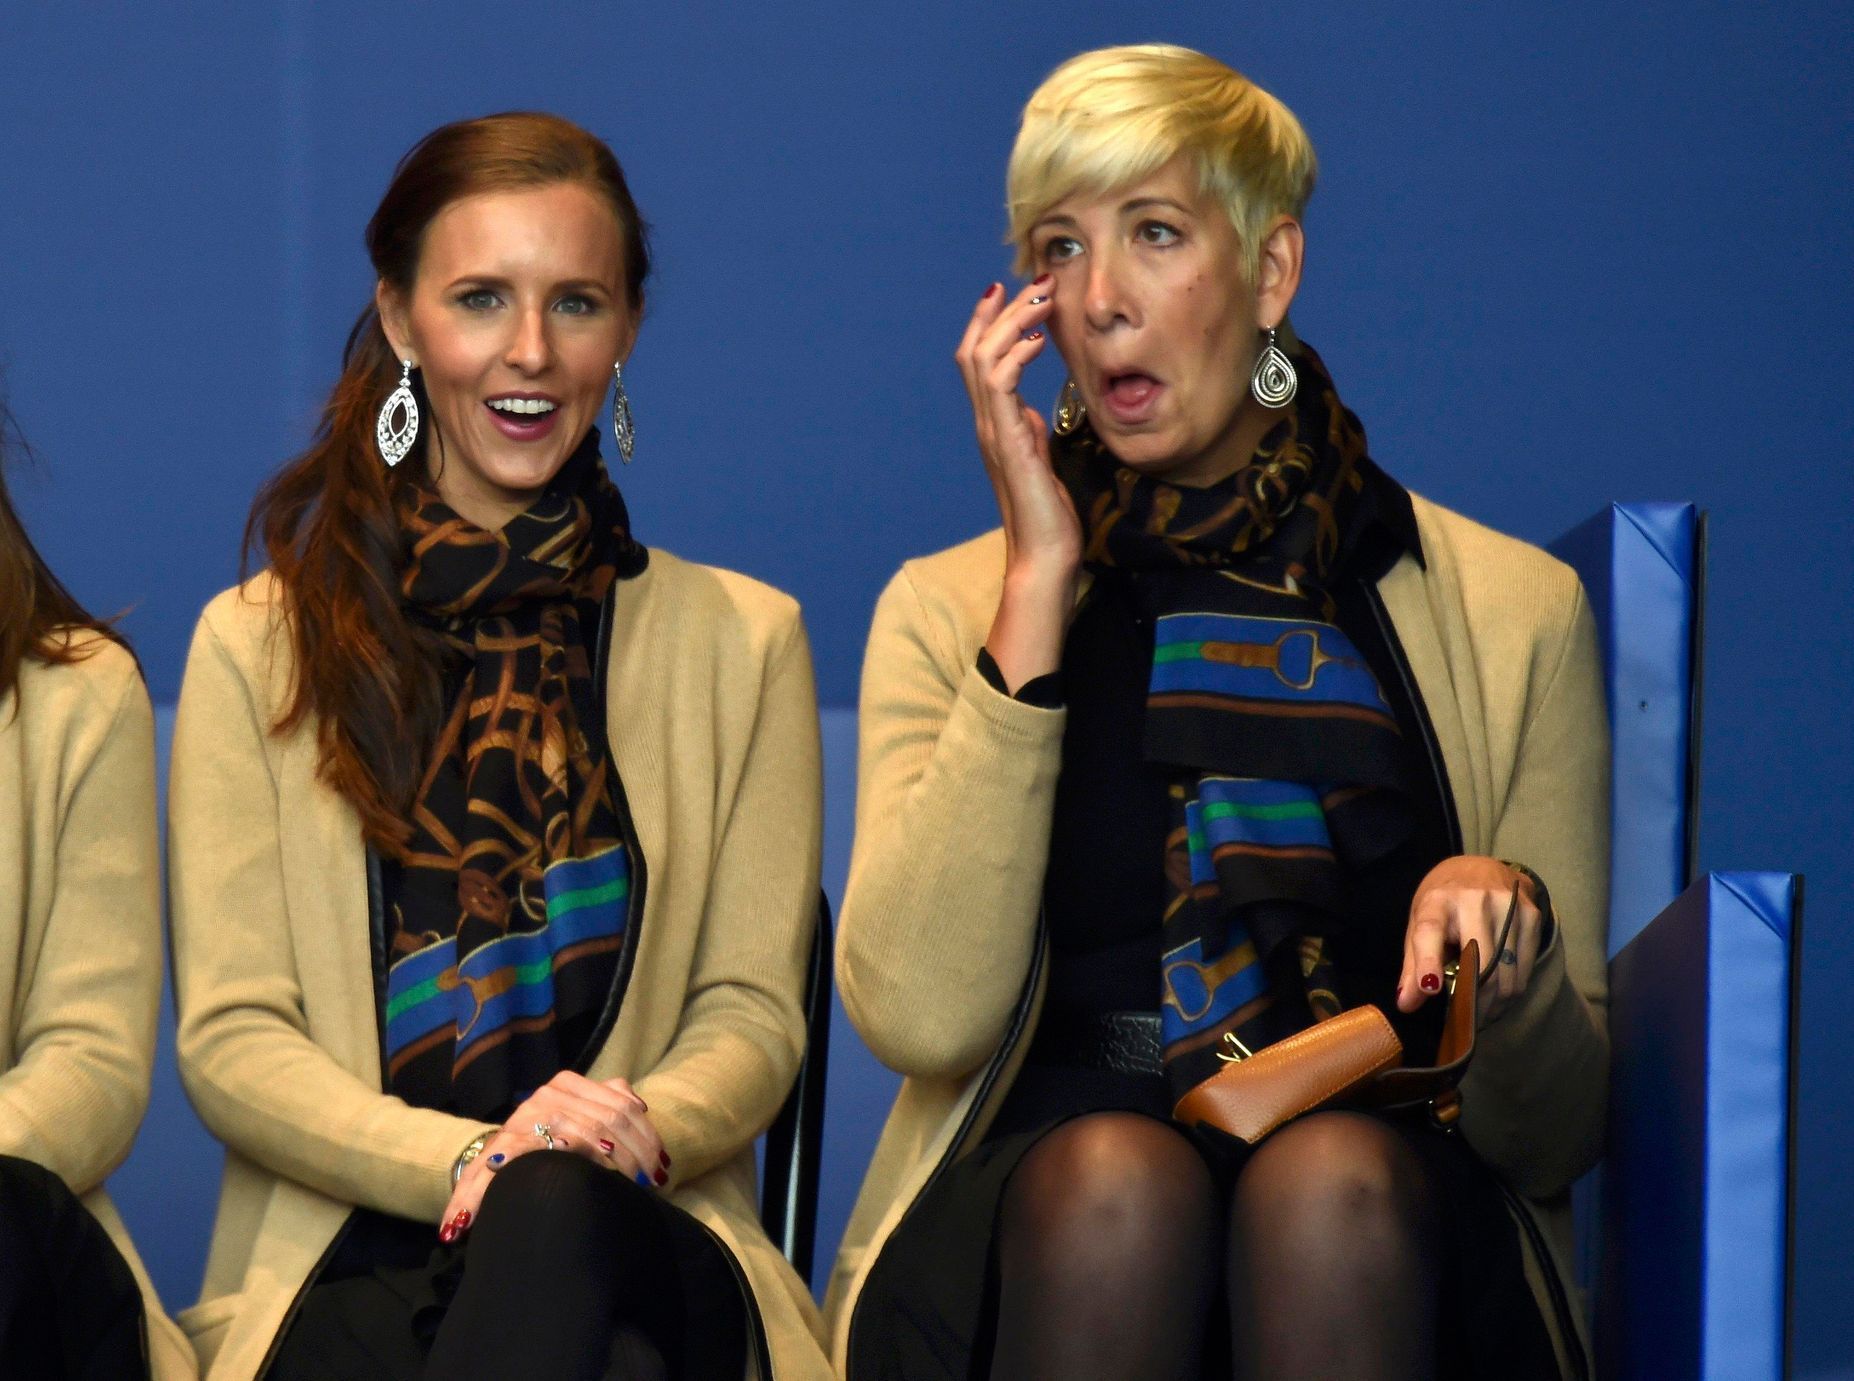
<point>546,1133</point>
<point>1508,956</point>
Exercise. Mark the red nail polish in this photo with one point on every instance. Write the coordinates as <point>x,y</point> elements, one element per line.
<point>447,1233</point>
<point>1040,280</point>
<point>605,1146</point>
<point>663,1159</point>
<point>988,294</point>
<point>661,1178</point>
<point>1430,982</point>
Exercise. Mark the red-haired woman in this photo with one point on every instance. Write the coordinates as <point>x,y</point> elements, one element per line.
<point>80,979</point>
<point>494,842</point>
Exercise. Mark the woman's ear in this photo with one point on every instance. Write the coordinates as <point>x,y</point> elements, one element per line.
<point>1277,274</point>
<point>394,320</point>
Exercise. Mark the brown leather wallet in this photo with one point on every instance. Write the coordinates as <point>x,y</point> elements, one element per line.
<point>1351,1060</point>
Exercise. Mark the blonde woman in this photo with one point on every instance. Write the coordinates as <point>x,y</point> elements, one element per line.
<point>80,980</point>
<point>1221,732</point>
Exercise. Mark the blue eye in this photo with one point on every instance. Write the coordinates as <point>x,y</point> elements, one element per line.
<point>477,300</point>
<point>576,304</point>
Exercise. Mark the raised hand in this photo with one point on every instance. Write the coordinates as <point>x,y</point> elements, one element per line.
<point>1042,531</point>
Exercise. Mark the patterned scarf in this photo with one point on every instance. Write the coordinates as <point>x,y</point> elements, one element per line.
<point>1286,758</point>
<point>511,900</point>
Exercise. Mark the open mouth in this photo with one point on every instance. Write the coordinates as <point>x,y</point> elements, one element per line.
<point>1130,396</point>
<point>524,419</point>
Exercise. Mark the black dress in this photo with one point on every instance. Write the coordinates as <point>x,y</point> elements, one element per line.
<point>925,1309</point>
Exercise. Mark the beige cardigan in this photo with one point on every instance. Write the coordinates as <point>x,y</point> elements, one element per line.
<point>80,934</point>
<point>936,945</point>
<point>712,720</point>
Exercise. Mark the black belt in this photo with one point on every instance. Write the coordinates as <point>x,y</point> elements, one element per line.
<point>1121,1042</point>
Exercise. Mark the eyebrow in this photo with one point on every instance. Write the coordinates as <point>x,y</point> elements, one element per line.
<point>496,280</point>
<point>1137,204</point>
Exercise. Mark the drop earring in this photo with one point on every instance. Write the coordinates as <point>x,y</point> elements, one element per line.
<point>396,439</point>
<point>1273,381</point>
<point>1070,412</point>
<point>624,433</point>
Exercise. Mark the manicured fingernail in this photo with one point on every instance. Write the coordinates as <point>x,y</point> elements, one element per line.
<point>642,1179</point>
<point>661,1178</point>
<point>1430,982</point>
<point>1040,280</point>
<point>989,293</point>
<point>663,1159</point>
<point>605,1146</point>
<point>1034,335</point>
<point>447,1233</point>
<point>497,1158</point>
<point>463,1220</point>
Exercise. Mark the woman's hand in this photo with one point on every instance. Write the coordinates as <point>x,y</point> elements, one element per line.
<point>1042,532</point>
<point>607,1123</point>
<point>1466,898</point>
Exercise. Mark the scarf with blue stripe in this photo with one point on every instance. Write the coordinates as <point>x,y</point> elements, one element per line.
<point>1285,758</point>
<point>509,904</point>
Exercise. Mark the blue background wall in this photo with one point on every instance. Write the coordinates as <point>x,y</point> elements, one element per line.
<point>1560,254</point>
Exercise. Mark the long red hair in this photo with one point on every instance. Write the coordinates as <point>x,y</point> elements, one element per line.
<point>327,522</point>
<point>39,618</point>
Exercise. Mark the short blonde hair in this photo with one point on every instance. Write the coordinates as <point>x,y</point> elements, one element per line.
<point>1108,118</point>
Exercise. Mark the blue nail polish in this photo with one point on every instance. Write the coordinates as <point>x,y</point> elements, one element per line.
<point>643,1179</point>
<point>497,1158</point>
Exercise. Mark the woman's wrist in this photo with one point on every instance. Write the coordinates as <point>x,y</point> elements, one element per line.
<point>1033,617</point>
<point>472,1149</point>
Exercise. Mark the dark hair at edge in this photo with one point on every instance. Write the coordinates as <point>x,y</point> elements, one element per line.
<point>39,618</point>
<point>326,523</point>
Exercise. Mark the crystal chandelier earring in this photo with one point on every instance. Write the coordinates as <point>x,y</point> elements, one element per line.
<point>1070,412</point>
<point>1274,382</point>
<point>623,432</point>
<point>395,439</point>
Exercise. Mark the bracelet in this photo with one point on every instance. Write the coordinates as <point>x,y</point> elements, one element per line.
<point>468,1154</point>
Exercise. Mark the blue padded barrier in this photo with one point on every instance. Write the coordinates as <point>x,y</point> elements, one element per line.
<point>1641,565</point>
<point>1696,1192</point>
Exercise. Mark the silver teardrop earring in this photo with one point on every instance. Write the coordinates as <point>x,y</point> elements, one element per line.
<point>1273,382</point>
<point>1070,412</point>
<point>623,430</point>
<point>396,440</point>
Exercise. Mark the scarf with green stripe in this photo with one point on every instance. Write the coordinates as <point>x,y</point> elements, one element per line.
<point>509,905</point>
<point>1285,758</point>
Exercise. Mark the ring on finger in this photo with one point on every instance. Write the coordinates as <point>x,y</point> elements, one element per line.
<point>546,1133</point>
<point>1509,956</point>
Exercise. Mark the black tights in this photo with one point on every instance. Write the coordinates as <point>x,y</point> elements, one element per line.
<point>581,1258</point>
<point>1115,1241</point>
<point>570,1271</point>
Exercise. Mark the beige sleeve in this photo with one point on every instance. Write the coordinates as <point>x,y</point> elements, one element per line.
<point>74,1098</point>
<point>742,1030</point>
<point>1534,1099</point>
<point>956,783</point>
<point>255,1075</point>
